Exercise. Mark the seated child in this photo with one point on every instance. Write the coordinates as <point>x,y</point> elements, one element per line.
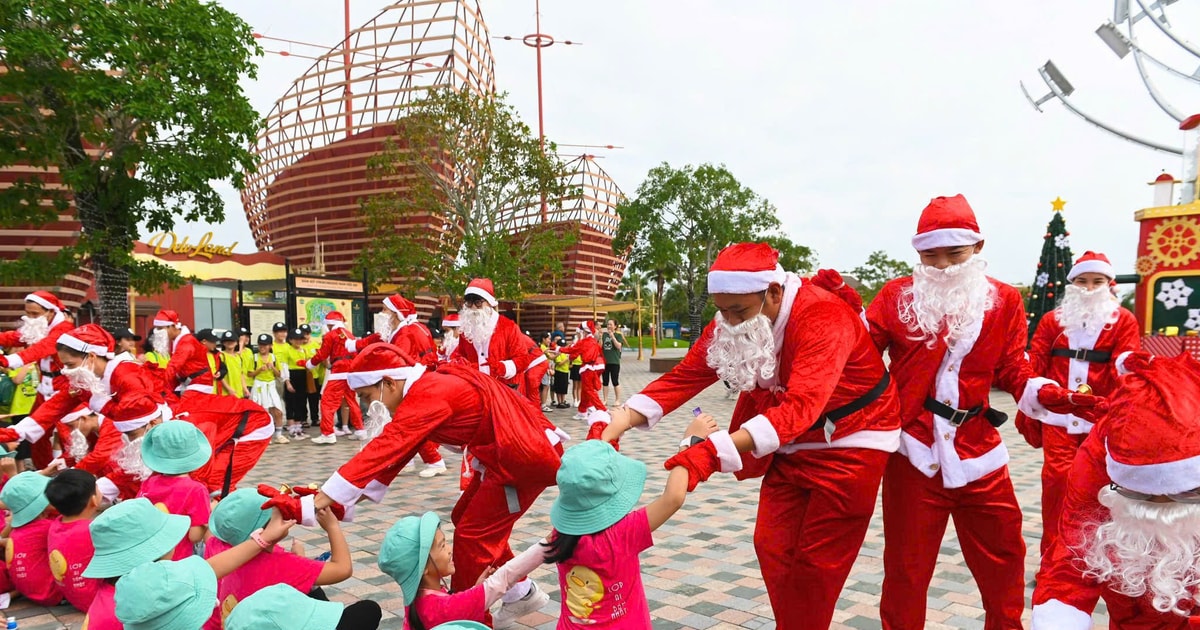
<point>172,450</point>
<point>233,520</point>
<point>27,555</point>
<point>74,495</point>
<point>598,534</point>
<point>282,607</point>
<point>135,533</point>
<point>417,555</point>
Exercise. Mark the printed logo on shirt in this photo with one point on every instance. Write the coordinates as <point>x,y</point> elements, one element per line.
<point>162,507</point>
<point>8,551</point>
<point>58,566</point>
<point>227,606</point>
<point>585,592</point>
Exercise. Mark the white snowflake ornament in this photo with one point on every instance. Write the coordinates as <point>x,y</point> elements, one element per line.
<point>1193,322</point>
<point>1061,241</point>
<point>1173,294</point>
<point>1042,279</point>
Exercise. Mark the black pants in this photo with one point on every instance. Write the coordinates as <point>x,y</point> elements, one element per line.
<point>362,615</point>
<point>612,374</point>
<point>296,400</point>
<point>314,403</point>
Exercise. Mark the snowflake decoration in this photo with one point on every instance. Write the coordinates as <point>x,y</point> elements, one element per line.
<point>1193,322</point>
<point>1174,294</point>
<point>1061,241</point>
<point>1042,279</point>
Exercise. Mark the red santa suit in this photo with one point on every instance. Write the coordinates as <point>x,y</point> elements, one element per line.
<point>516,449</point>
<point>588,350</point>
<point>1147,445</point>
<point>1075,358</point>
<point>414,339</point>
<point>451,341</point>
<point>503,354</point>
<point>188,371</point>
<point>952,462</point>
<point>531,385</point>
<point>338,346</point>
<point>822,428</point>
<point>43,353</point>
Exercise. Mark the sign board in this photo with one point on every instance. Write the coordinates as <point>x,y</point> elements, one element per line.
<point>328,284</point>
<point>262,320</point>
<point>167,243</point>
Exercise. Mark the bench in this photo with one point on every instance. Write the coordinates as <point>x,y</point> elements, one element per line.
<point>663,365</point>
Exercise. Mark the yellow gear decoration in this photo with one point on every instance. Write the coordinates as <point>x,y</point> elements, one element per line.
<point>1145,265</point>
<point>1175,242</point>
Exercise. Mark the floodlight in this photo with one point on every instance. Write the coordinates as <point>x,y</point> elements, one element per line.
<point>1114,39</point>
<point>1057,77</point>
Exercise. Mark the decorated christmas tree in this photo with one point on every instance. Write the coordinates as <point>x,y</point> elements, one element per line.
<point>1052,269</point>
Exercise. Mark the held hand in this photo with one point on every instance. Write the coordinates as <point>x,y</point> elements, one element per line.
<point>1061,400</point>
<point>496,368</point>
<point>339,511</point>
<point>617,425</point>
<point>598,422</point>
<point>832,281</point>
<point>701,426</point>
<point>327,519</point>
<point>487,573</point>
<point>277,528</point>
<point>370,339</point>
<point>289,387</point>
<point>1030,429</point>
<point>701,461</point>
<point>287,505</point>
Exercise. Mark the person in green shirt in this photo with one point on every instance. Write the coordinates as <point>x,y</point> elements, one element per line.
<point>611,343</point>
<point>279,349</point>
<point>265,370</point>
<point>26,380</point>
<point>153,356</point>
<point>246,352</point>
<point>235,379</point>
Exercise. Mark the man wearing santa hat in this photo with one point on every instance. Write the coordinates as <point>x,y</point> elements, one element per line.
<point>1078,345</point>
<point>516,448</point>
<point>588,350</point>
<point>338,347</point>
<point>397,324</point>
<point>43,322</point>
<point>952,332</point>
<point>493,343</point>
<point>450,326</point>
<point>188,372</point>
<point>1130,526</point>
<point>816,414</point>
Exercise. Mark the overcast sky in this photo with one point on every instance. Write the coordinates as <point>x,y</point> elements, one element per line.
<point>848,116</point>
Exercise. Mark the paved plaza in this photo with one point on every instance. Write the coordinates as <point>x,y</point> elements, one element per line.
<point>702,571</point>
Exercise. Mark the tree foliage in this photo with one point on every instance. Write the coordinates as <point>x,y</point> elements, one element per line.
<point>467,161</point>
<point>877,271</point>
<point>680,218</point>
<point>1052,268</point>
<point>137,105</point>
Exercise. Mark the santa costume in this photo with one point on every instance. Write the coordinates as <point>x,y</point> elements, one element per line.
<point>516,449</point>
<point>820,412</point>
<point>451,324</point>
<point>188,372</point>
<point>338,347</point>
<point>587,349</point>
<point>1077,345</point>
<point>414,339</point>
<point>37,342</point>
<point>1130,525</point>
<point>493,343</point>
<point>951,335</point>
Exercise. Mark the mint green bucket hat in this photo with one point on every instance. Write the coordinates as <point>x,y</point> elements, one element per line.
<point>461,625</point>
<point>130,534</point>
<point>238,515</point>
<point>25,496</point>
<point>281,607</point>
<point>175,447</point>
<point>597,486</point>
<point>167,595</point>
<point>405,551</point>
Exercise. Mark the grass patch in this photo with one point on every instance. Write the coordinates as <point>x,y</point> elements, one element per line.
<point>662,343</point>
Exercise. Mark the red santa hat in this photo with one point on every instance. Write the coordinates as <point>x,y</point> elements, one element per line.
<point>379,360</point>
<point>165,318</point>
<point>1091,262</point>
<point>1153,439</point>
<point>947,222</point>
<point>400,305</point>
<point>482,287</point>
<point>334,319</point>
<point>745,268</point>
<point>451,321</point>
<point>80,410</point>
<point>134,411</point>
<point>588,327</point>
<point>46,300</point>
<point>88,339</point>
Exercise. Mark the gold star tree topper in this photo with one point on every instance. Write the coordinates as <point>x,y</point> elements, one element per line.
<point>1058,204</point>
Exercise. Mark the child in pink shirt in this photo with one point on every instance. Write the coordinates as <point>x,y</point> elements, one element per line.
<point>28,558</point>
<point>172,450</point>
<point>74,495</point>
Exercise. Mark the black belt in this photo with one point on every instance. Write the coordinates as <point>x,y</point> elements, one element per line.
<point>856,405</point>
<point>958,416</point>
<point>52,374</point>
<point>1082,354</point>
<point>196,374</point>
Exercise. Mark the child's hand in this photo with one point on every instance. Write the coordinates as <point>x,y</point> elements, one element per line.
<point>327,519</point>
<point>485,575</point>
<point>289,387</point>
<point>703,425</point>
<point>53,467</point>
<point>297,547</point>
<point>277,528</point>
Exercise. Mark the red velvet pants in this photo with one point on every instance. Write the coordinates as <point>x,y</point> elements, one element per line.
<point>988,522</point>
<point>337,392</point>
<point>483,520</point>
<point>813,513</point>
<point>589,391</point>
<point>245,455</point>
<point>531,385</point>
<point>1058,448</point>
<point>429,453</point>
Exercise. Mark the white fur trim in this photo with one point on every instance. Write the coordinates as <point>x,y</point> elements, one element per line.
<point>1091,266</point>
<point>646,406</point>
<point>374,491</point>
<point>743,282</point>
<point>160,323</point>
<point>946,237</point>
<point>766,439</point>
<point>203,389</point>
<point>485,368</point>
<point>886,441</point>
<point>351,345</point>
<point>1180,475</point>
<point>451,324</point>
<point>1028,404</point>
<point>310,365</point>
<point>598,416</point>
<point>14,361</point>
<point>1055,615</point>
<point>79,345</point>
<point>592,367</point>
<point>510,369</point>
<point>46,304</point>
<point>335,376</point>
<point>1121,371</point>
<point>364,379</point>
<point>29,430</point>
<point>727,453</point>
<point>75,415</point>
<point>108,489</point>
<point>541,358</point>
<point>487,297</point>
<point>125,426</point>
<point>956,472</point>
<point>308,511</point>
<point>344,492</point>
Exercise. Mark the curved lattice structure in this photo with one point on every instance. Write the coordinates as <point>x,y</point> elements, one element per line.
<point>318,137</point>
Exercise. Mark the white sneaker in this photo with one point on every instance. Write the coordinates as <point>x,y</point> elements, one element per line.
<point>432,470</point>
<point>338,431</point>
<point>325,439</point>
<point>410,466</point>
<point>360,434</point>
<point>511,612</point>
<point>547,408</point>
<point>579,416</point>
<point>282,439</point>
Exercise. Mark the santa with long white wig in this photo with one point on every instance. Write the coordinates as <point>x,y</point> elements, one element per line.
<point>34,343</point>
<point>1130,526</point>
<point>493,343</point>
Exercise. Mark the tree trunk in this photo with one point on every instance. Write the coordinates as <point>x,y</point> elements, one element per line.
<point>696,305</point>
<point>659,289</point>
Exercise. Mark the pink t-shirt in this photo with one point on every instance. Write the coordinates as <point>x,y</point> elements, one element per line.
<point>102,615</point>
<point>179,495</point>
<point>602,582</point>
<point>29,563</point>
<point>436,607</point>
<point>71,550</point>
<point>267,569</point>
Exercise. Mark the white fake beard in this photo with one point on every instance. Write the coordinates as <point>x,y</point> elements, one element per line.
<point>476,323</point>
<point>743,353</point>
<point>1147,548</point>
<point>160,342</point>
<point>383,325</point>
<point>376,419</point>
<point>79,445</point>
<point>953,300</point>
<point>83,379</point>
<point>33,329</point>
<point>1083,309</point>
<point>129,459</point>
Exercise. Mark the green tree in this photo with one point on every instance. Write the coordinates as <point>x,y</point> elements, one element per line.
<point>1052,269</point>
<point>680,219</point>
<point>137,106</point>
<point>876,272</point>
<point>468,161</point>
